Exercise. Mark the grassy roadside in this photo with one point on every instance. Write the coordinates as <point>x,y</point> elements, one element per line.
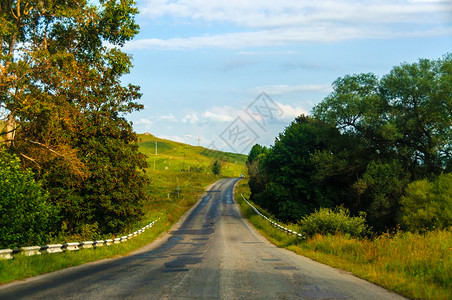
<point>171,193</point>
<point>416,266</point>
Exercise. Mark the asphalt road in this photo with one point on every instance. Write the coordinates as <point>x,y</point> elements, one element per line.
<point>212,253</point>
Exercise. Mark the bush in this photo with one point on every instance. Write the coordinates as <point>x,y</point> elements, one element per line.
<point>26,216</point>
<point>332,221</point>
<point>427,205</point>
<point>216,168</point>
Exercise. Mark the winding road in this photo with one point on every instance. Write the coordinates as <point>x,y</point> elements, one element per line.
<point>211,253</point>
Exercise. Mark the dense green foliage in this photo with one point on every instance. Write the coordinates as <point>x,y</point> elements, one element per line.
<point>362,146</point>
<point>338,221</point>
<point>26,215</point>
<point>65,106</point>
<point>216,167</point>
<point>427,204</point>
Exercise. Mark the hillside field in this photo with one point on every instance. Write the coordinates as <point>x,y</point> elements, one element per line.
<point>179,157</point>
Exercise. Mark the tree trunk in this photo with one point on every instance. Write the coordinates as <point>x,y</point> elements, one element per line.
<point>10,129</point>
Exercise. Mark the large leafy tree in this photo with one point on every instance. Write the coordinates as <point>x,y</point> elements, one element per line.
<point>402,127</point>
<point>292,190</point>
<point>420,100</point>
<point>365,143</point>
<point>63,104</point>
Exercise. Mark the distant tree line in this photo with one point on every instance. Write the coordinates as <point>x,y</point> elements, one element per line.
<point>63,105</point>
<point>376,145</point>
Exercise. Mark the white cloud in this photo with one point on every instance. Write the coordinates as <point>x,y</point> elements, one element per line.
<point>285,89</point>
<point>267,14</point>
<point>170,117</point>
<point>285,36</point>
<point>172,138</point>
<point>190,118</point>
<point>221,114</point>
<point>290,112</point>
<point>293,21</point>
<point>144,122</point>
<point>269,53</point>
<point>250,38</point>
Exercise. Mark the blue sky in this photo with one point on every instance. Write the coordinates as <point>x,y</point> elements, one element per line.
<point>203,65</point>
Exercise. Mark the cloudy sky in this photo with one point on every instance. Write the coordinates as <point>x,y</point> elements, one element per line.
<point>233,73</point>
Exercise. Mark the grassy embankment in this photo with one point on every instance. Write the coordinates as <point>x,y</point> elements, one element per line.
<point>418,266</point>
<point>166,201</point>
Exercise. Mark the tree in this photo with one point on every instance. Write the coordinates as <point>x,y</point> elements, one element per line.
<point>216,167</point>
<point>64,105</point>
<point>258,179</point>
<point>27,216</point>
<point>399,128</point>
<point>356,108</point>
<point>420,98</point>
<point>292,190</point>
<point>54,68</point>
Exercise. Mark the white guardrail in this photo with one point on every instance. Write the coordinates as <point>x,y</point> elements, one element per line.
<point>273,222</point>
<point>55,248</point>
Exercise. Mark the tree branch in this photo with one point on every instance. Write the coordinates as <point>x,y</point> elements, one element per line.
<point>31,159</point>
<point>48,148</point>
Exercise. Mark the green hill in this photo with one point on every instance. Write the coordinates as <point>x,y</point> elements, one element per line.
<point>179,157</point>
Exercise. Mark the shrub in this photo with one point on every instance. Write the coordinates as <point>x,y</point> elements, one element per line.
<point>26,216</point>
<point>332,221</point>
<point>427,205</point>
<point>216,168</point>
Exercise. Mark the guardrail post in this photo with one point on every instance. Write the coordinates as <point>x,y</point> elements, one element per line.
<point>6,254</point>
<point>86,245</point>
<point>98,244</point>
<point>30,251</point>
<point>54,248</point>
<point>71,246</point>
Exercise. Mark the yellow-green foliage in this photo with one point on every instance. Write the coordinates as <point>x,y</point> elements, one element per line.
<point>427,204</point>
<point>416,265</point>
<point>334,221</point>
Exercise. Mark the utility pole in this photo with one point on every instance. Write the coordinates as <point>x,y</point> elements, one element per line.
<point>155,153</point>
<point>187,138</point>
<point>199,140</point>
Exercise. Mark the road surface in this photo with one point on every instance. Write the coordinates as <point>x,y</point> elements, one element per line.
<point>212,253</point>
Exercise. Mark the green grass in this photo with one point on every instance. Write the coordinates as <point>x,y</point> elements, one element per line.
<point>414,265</point>
<point>171,193</point>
